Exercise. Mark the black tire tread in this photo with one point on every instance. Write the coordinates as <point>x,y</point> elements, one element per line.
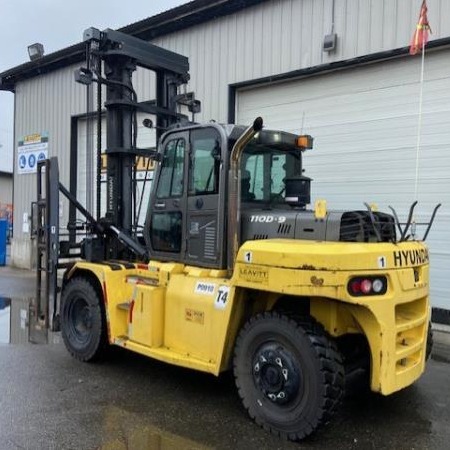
<point>96,353</point>
<point>332,370</point>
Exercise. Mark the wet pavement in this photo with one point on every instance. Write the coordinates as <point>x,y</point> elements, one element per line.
<point>48,400</point>
<point>17,283</point>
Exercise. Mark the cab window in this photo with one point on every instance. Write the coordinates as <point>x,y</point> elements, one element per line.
<point>204,162</point>
<point>171,179</point>
<point>263,172</point>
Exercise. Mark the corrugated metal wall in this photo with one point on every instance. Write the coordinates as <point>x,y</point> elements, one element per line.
<point>285,35</point>
<point>274,37</point>
<point>43,104</point>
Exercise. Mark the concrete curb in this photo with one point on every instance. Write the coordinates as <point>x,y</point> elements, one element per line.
<point>441,347</point>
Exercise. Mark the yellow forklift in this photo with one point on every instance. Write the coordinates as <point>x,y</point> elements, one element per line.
<point>232,270</point>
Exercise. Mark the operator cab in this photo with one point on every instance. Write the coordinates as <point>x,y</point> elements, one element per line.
<point>271,171</point>
<point>188,210</point>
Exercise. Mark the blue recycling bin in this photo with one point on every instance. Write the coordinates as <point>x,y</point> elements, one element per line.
<point>3,231</point>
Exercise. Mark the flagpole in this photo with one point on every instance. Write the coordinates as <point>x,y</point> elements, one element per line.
<point>419,125</point>
<point>419,40</point>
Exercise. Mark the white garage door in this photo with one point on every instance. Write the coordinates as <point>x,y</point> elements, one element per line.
<point>145,139</point>
<point>365,123</point>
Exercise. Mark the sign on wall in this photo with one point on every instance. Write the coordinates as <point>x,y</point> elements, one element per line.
<point>30,150</point>
<point>144,166</point>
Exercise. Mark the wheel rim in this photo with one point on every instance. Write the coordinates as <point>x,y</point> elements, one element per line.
<point>80,320</point>
<point>276,373</point>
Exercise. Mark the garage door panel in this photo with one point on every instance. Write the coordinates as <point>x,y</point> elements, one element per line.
<point>403,73</point>
<point>391,102</point>
<point>370,109</point>
<point>364,122</point>
<point>328,114</point>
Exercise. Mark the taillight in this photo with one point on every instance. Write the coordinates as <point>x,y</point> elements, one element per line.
<point>369,285</point>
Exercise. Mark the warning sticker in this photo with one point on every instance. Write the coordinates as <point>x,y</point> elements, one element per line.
<point>195,316</point>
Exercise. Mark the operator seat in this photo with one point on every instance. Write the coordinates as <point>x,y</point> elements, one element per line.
<point>246,195</point>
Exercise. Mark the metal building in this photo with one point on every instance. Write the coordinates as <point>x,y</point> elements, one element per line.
<point>359,98</point>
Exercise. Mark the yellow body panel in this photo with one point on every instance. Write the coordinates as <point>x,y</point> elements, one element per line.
<point>147,326</point>
<point>190,316</point>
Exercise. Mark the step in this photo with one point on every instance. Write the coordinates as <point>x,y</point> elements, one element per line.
<point>142,280</point>
<point>124,306</point>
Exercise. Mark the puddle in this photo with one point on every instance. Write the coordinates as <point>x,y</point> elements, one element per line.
<point>17,324</point>
<point>127,435</point>
<point>149,438</point>
<point>14,321</point>
<point>5,320</point>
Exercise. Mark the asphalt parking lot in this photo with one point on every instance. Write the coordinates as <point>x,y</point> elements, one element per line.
<point>48,400</point>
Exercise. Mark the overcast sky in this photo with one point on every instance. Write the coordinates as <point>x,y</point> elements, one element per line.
<point>56,24</point>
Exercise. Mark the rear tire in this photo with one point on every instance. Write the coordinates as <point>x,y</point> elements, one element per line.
<point>289,374</point>
<point>83,323</point>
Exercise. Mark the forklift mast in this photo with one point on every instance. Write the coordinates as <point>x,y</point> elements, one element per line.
<point>117,56</point>
<point>111,59</point>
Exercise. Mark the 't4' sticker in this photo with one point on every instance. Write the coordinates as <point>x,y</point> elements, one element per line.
<point>221,299</point>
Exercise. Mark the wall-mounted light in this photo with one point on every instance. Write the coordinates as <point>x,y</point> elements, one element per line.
<point>35,51</point>
<point>329,42</point>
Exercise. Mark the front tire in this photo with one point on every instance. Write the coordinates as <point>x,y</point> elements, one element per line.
<point>83,325</point>
<point>289,374</point>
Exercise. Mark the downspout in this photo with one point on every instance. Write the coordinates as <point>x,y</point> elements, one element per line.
<point>234,183</point>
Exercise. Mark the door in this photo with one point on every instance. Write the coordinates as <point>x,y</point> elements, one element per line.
<point>203,219</point>
<point>167,219</point>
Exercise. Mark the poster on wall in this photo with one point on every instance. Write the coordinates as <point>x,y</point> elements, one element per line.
<point>30,150</point>
<point>144,168</point>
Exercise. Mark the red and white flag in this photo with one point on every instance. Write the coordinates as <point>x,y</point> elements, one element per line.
<point>420,38</point>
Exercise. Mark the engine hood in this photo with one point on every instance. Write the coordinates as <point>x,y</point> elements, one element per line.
<point>333,256</point>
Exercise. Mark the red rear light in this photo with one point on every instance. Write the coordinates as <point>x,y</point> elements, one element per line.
<point>367,285</point>
<point>355,287</point>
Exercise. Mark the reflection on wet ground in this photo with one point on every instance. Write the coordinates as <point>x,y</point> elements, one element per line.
<point>18,324</point>
<point>5,320</point>
<point>144,437</point>
<point>14,321</point>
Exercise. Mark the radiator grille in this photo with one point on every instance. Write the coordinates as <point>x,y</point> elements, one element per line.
<point>210,243</point>
<point>284,228</point>
<point>260,236</point>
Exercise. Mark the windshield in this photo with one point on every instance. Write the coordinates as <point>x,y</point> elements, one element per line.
<point>264,170</point>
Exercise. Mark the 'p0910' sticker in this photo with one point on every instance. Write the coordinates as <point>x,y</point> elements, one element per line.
<point>221,299</point>
<point>204,288</point>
